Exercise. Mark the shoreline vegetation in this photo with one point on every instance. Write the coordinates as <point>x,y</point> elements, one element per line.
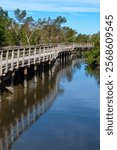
<point>24,30</point>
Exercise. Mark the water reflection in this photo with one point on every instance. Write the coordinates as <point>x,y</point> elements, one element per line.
<point>93,73</point>
<point>20,110</point>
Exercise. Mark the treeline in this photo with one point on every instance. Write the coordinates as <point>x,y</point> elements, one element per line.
<point>24,30</point>
<point>93,56</point>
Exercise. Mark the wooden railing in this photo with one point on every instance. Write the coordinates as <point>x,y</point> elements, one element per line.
<point>13,57</point>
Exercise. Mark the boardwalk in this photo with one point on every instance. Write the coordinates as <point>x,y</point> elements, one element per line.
<point>14,57</point>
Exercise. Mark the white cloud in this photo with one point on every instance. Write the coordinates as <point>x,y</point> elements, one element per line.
<point>53,5</point>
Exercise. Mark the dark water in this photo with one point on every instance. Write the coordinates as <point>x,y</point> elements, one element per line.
<point>59,112</point>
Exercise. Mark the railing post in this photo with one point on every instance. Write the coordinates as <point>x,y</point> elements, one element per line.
<point>43,54</point>
<point>12,60</point>
<point>7,53</point>
<point>29,57</point>
<point>39,55</point>
<point>23,60</point>
<point>34,55</point>
<point>48,53</point>
<point>18,58</point>
<point>57,51</point>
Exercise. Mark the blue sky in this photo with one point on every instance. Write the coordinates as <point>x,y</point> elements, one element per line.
<point>82,15</point>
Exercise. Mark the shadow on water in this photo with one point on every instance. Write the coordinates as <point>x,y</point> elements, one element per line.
<point>20,110</point>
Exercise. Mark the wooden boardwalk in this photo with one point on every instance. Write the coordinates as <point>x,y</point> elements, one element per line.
<point>14,57</point>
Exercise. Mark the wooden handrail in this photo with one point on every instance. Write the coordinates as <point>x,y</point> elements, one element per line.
<point>13,57</point>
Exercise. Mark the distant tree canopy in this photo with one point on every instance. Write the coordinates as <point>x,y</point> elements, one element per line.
<point>24,30</point>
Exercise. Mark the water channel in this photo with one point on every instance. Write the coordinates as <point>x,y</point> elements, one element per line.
<point>58,112</point>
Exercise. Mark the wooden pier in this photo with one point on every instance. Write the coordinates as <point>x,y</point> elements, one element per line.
<point>14,57</point>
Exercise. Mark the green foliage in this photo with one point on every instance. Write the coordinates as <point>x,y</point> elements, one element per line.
<point>83,38</point>
<point>4,27</point>
<point>69,34</point>
<point>20,15</point>
<point>2,35</point>
<point>93,56</point>
<point>59,21</point>
<point>24,30</point>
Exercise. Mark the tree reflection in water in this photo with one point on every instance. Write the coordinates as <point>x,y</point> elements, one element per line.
<point>93,73</point>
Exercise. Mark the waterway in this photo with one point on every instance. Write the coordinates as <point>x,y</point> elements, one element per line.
<point>58,112</point>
